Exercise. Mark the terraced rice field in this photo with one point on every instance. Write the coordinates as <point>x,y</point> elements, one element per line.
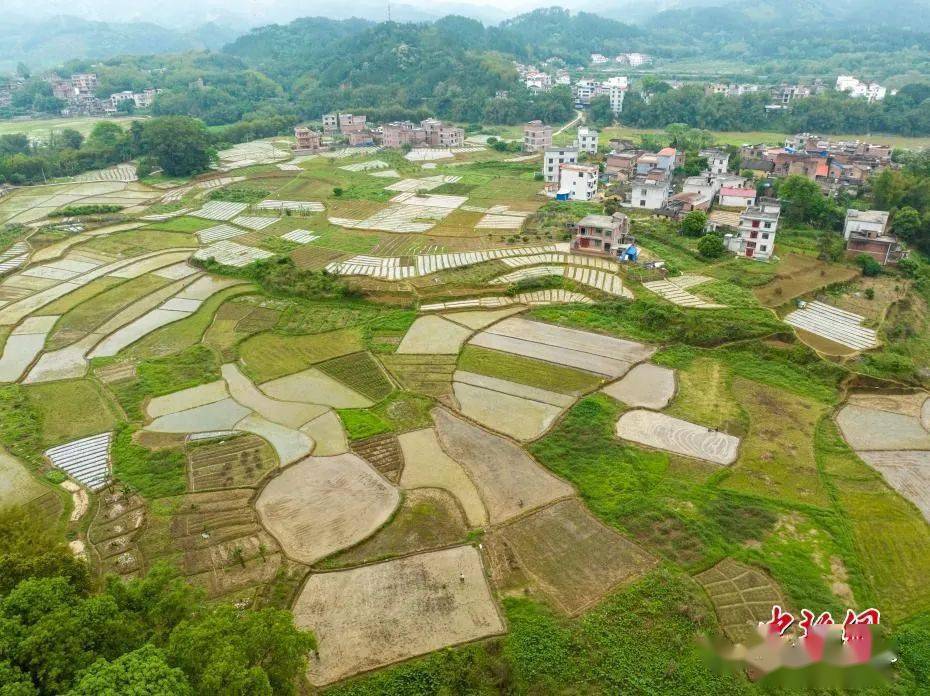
<point>508,480</point>
<point>426,374</point>
<point>238,461</point>
<point>419,596</point>
<point>325,504</point>
<point>742,596</point>
<point>361,372</point>
<point>675,435</point>
<point>833,324</point>
<point>603,355</point>
<point>551,551</point>
<point>217,540</point>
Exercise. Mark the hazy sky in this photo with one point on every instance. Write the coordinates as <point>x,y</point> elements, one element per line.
<point>195,12</point>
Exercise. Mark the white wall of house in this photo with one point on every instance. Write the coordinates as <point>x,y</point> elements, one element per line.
<point>736,201</point>
<point>648,197</point>
<point>554,158</point>
<point>586,140</point>
<point>579,182</point>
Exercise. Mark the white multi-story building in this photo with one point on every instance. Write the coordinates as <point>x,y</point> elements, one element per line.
<point>577,182</point>
<point>598,59</point>
<point>538,81</point>
<point>585,91</point>
<point>586,140</point>
<point>717,160</point>
<point>616,88</point>
<point>755,238</point>
<point>554,158</point>
<point>649,193</point>
<point>636,59</point>
<point>871,91</point>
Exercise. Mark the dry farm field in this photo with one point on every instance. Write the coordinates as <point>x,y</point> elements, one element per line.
<point>468,458</point>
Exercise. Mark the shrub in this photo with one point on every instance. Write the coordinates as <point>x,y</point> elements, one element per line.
<point>694,223</point>
<point>710,246</point>
<point>76,210</point>
<point>870,267</point>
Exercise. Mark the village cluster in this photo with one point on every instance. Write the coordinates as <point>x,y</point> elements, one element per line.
<point>79,95</point>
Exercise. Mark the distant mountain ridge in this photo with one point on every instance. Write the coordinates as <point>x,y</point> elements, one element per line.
<point>46,43</point>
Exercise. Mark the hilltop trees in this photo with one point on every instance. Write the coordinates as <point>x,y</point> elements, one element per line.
<point>179,144</point>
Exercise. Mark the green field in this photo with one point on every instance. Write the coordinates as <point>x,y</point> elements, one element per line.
<point>39,128</point>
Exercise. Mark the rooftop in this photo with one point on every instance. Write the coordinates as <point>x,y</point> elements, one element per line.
<point>667,152</point>
<point>601,221</point>
<point>741,192</point>
<point>878,217</point>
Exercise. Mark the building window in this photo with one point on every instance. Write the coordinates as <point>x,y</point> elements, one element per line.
<point>765,235</point>
<point>762,248</point>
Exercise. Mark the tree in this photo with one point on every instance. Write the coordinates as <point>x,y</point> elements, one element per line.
<point>803,203</point>
<point>694,223</point>
<point>711,246</point>
<point>870,267</point>
<point>600,113</point>
<point>830,246</point>
<point>14,144</point>
<point>907,223</point>
<point>71,138</point>
<point>180,144</point>
<point>225,651</point>
<point>142,671</point>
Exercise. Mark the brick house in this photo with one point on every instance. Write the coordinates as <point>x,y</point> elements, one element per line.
<point>307,140</point>
<point>537,136</point>
<point>866,232</point>
<point>601,234</point>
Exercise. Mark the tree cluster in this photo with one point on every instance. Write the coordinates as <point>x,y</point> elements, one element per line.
<point>654,105</point>
<point>61,634</point>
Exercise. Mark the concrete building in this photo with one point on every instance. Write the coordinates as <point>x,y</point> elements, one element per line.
<point>601,234</point>
<point>84,83</point>
<point>717,160</point>
<point>586,140</point>
<point>537,136</point>
<point>62,89</point>
<point>616,89</point>
<point>649,192</point>
<point>621,165</point>
<point>705,185</point>
<point>362,138</point>
<point>755,237</point>
<point>854,87</point>
<point>402,133</point>
<point>538,82</point>
<point>731,197</point>
<point>307,140</point>
<point>866,232</point>
<point>554,158</point>
<point>577,182</point>
<point>439,134</point>
<point>584,91</point>
<point>330,123</point>
<point>350,123</point>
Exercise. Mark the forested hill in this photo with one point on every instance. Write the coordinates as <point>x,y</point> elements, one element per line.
<point>289,50</point>
<point>453,68</point>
